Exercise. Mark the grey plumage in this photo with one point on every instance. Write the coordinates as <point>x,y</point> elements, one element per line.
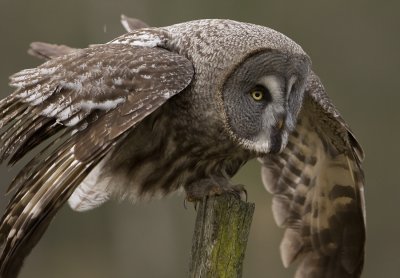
<point>317,184</point>
<point>184,106</point>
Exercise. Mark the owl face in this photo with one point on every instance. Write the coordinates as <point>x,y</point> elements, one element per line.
<point>262,98</point>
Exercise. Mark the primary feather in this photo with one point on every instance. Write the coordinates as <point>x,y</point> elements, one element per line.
<point>85,113</point>
<point>318,189</point>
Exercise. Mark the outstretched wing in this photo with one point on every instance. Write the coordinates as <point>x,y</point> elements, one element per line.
<point>48,51</point>
<point>317,182</point>
<point>85,102</point>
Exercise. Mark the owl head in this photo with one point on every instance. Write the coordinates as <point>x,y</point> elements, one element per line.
<point>262,97</point>
<point>255,75</point>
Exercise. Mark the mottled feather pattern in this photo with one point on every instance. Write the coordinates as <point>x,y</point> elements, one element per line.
<point>144,115</point>
<point>152,82</point>
<point>105,86</point>
<point>110,88</point>
<point>318,197</point>
<point>147,37</point>
<point>154,161</point>
<point>212,39</point>
<point>333,118</point>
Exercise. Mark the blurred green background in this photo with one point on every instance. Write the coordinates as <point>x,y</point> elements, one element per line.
<point>355,49</point>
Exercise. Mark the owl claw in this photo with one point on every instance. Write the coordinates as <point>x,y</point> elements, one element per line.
<point>243,194</point>
<point>239,191</point>
<point>195,203</point>
<point>198,191</point>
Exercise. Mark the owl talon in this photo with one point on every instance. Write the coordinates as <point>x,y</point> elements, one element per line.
<point>243,194</point>
<point>198,191</point>
<point>195,203</point>
<point>240,192</point>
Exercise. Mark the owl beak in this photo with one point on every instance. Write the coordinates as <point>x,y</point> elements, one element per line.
<point>280,124</point>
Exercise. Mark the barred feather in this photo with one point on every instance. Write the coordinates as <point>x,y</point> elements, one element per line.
<point>35,204</point>
<point>318,184</point>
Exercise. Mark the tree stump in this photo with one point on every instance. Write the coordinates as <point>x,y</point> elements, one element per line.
<point>220,237</point>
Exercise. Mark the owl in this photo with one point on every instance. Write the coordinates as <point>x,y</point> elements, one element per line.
<point>184,107</point>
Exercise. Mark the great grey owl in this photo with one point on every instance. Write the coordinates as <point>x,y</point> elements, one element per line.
<point>184,107</point>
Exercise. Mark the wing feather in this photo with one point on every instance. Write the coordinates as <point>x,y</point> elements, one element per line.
<point>45,192</point>
<point>83,102</point>
<point>48,51</point>
<point>317,182</point>
<point>132,24</point>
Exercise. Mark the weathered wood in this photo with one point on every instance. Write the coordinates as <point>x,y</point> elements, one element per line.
<point>220,237</point>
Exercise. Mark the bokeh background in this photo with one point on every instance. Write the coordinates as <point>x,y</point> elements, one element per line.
<point>355,48</point>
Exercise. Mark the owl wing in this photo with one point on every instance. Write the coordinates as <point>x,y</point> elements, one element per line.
<point>48,51</point>
<point>317,182</point>
<point>84,103</point>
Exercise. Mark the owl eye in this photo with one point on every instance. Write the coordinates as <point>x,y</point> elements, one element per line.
<point>257,95</point>
<point>260,93</point>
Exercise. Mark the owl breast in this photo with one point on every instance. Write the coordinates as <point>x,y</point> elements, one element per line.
<point>169,151</point>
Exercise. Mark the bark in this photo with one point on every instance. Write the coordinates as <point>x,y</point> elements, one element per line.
<point>220,237</point>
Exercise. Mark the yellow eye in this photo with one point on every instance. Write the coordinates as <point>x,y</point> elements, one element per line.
<point>257,95</point>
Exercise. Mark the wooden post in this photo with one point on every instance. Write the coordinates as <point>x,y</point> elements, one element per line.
<point>220,237</point>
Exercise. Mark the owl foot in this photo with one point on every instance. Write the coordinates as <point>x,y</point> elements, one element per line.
<point>197,191</point>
